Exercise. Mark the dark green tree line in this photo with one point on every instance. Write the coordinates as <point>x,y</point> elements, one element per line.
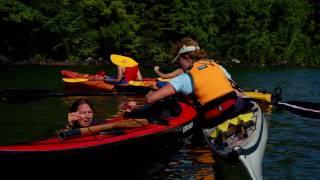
<point>270,32</point>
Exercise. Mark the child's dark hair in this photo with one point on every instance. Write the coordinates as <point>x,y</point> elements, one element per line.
<point>77,103</point>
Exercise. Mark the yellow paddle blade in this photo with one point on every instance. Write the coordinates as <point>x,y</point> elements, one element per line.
<point>136,83</point>
<point>259,95</point>
<point>122,61</point>
<point>74,80</point>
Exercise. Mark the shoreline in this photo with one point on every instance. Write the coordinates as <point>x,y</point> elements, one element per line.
<point>91,61</point>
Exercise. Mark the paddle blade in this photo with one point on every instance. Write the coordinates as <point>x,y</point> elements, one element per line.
<point>74,80</point>
<point>267,97</point>
<point>123,61</point>
<point>306,109</point>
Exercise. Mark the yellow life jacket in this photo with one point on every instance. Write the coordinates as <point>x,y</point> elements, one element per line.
<point>215,96</point>
<point>209,81</point>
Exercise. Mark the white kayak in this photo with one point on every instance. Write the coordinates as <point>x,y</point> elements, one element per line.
<point>240,143</point>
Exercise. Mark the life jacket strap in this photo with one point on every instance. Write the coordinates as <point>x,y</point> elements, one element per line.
<point>219,109</point>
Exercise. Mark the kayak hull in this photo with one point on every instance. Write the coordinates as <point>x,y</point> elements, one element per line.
<point>140,87</point>
<point>110,145</point>
<point>244,154</point>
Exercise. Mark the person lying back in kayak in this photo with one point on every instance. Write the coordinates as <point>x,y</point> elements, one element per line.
<point>205,81</point>
<point>81,114</point>
<point>80,121</point>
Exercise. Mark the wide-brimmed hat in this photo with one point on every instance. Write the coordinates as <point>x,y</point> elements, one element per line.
<point>185,49</point>
<point>122,61</point>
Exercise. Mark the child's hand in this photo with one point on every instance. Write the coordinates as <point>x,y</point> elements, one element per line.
<point>106,78</point>
<point>156,68</point>
<point>129,106</point>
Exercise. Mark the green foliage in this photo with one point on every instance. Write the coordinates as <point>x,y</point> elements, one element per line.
<point>269,32</point>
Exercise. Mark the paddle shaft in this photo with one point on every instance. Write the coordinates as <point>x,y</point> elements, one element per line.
<point>302,108</point>
<point>306,109</point>
<point>59,94</point>
<point>126,123</point>
<point>23,95</point>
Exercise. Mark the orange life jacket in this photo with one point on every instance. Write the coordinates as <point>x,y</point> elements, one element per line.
<point>212,88</point>
<point>131,73</point>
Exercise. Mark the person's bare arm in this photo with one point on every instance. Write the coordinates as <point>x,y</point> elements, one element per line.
<point>119,76</point>
<point>163,92</point>
<point>167,75</point>
<point>139,75</point>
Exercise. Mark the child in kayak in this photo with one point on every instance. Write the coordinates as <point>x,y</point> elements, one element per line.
<point>125,74</point>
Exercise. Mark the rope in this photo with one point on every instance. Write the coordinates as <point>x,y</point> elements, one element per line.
<point>298,107</point>
<point>144,125</point>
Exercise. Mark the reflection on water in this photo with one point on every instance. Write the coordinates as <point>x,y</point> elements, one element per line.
<point>292,150</point>
<point>191,162</point>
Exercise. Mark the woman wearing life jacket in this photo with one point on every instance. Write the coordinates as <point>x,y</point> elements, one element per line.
<point>204,80</point>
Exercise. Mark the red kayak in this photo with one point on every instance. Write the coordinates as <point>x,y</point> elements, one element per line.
<point>157,133</point>
<point>140,87</point>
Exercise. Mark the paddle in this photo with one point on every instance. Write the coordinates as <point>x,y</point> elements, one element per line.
<point>306,109</point>
<point>123,61</point>
<point>125,123</point>
<point>23,95</point>
<point>302,108</point>
<point>74,80</point>
<point>77,80</point>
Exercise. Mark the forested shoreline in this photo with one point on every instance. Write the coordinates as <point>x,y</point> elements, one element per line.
<point>248,32</point>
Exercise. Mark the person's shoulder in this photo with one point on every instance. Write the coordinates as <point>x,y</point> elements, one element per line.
<point>180,77</point>
<point>179,70</point>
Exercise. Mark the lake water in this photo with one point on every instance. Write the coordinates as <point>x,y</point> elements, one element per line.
<point>293,148</point>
